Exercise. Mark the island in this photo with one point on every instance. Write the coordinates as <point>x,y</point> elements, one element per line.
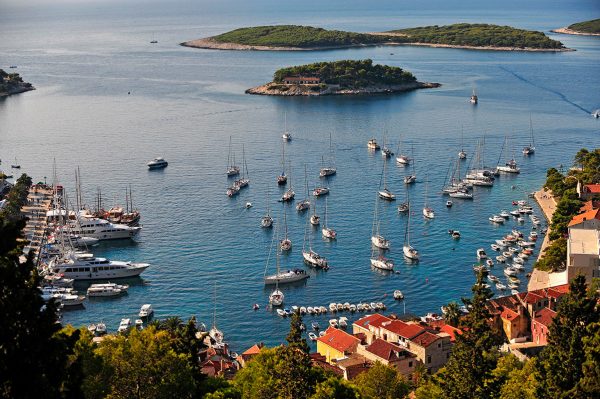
<point>297,37</point>
<point>12,83</point>
<point>587,28</point>
<point>347,77</point>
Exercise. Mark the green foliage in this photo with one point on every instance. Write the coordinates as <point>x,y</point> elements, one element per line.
<point>589,384</point>
<point>555,257</point>
<point>382,382</point>
<point>335,388</point>
<point>349,73</point>
<point>521,382</point>
<point>480,35</point>
<point>561,365</point>
<point>11,81</point>
<point>452,315</point>
<point>592,26</point>
<point>297,36</point>
<point>16,199</point>
<point>256,380</point>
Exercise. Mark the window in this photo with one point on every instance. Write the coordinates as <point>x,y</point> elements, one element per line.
<point>428,359</point>
<point>439,345</point>
<point>447,355</point>
<point>410,364</point>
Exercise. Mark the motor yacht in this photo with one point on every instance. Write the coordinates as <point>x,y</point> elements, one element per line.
<point>509,167</point>
<point>290,276</point>
<point>500,286</point>
<point>504,213</point>
<point>157,163</point>
<point>99,229</point>
<point>510,271</point>
<point>84,266</point>
<point>461,194</point>
<point>496,219</point>
<point>146,311</point>
<point>107,290</point>
<point>123,326</point>
<point>501,258</point>
<point>495,247</point>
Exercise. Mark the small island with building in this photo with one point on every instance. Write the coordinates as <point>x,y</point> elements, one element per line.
<point>586,28</point>
<point>12,83</point>
<point>297,37</point>
<point>347,77</point>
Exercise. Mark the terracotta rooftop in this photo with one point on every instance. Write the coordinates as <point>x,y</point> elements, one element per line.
<point>426,339</point>
<point>339,340</point>
<point>405,330</point>
<point>589,205</point>
<point>592,188</point>
<point>373,319</point>
<point>320,361</point>
<point>451,331</point>
<point>387,350</point>
<point>544,316</point>
<point>582,217</point>
<point>509,314</point>
<point>253,350</point>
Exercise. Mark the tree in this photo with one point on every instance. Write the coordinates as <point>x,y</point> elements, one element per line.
<point>335,388</point>
<point>257,380</point>
<point>589,384</point>
<point>381,382</point>
<point>561,362</point>
<point>143,364</point>
<point>521,382</point>
<point>452,315</point>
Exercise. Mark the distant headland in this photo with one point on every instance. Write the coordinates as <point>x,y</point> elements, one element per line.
<point>306,38</point>
<point>348,77</point>
<point>12,83</point>
<point>586,28</point>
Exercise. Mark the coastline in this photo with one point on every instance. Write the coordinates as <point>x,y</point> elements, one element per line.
<point>17,89</point>
<point>274,89</point>
<point>541,279</point>
<point>210,43</point>
<point>567,31</point>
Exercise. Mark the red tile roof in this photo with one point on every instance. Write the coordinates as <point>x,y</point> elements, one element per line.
<point>451,331</point>
<point>339,340</point>
<point>405,330</point>
<point>386,350</point>
<point>320,361</point>
<point>509,314</point>
<point>544,316</point>
<point>592,188</point>
<point>582,217</point>
<point>253,350</point>
<point>426,339</point>
<point>376,318</point>
<point>589,205</point>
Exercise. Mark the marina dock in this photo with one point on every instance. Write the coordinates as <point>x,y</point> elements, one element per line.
<point>39,201</point>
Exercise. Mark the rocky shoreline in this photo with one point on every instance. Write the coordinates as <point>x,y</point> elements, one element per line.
<point>277,89</point>
<point>21,88</point>
<point>568,31</point>
<point>12,83</point>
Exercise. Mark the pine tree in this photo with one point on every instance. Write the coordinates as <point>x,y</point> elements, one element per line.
<point>561,362</point>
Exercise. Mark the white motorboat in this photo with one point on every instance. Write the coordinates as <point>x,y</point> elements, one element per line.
<point>280,312</point>
<point>383,263</point>
<point>333,323</point>
<point>266,221</point>
<point>509,167</point>
<point>410,179</point>
<point>461,194</point>
<point>496,247</point>
<point>428,213</point>
<point>84,266</point>
<point>352,308</point>
<point>77,240</point>
<point>502,243</point>
<point>596,113</point>
<point>493,278</point>
<point>157,163</point>
<point>232,168</point>
<point>496,219</point>
<point>454,234</point>
<point>100,229</point>
<point>343,321</point>
<point>504,214</point>
<point>107,290</point>
<point>510,271</point>
<point>449,204</point>
<point>139,324</point>
<point>290,276</point>
<point>501,258</point>
<point>248,205</point>
<point>123,326</point>
<point>372,144</point>
<point>500,286</point>
<point>68,299</point>
<point>286,136</point>
<point>319,191</point>
<point>398,295</point>
<point>100,329</point>
<point>314,259</point>
<point>489,263</point>
<point>518,261</point>
<point>481,254</point>
<point>312,336</point>
<point>518,266</point>
<point>276,298</point>
<point>332,307</point>
<point>474,99</point>
<point>146,311</point>
<point>515,213</point>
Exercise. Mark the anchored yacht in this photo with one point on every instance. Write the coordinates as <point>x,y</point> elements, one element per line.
<point>100,229</point>
<point>84,266</point>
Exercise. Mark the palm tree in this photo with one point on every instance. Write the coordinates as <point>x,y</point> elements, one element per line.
<point>452,315</point>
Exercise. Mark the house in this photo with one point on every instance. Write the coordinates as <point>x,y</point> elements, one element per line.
<point>583,252</point>
<point>539,325</point>
<point>353,365</point>
<point>589,219</point>
<point>301,80</point>
<point>588,191</point>
<point>391,355</point>
<point>249,354</point>
<point>336,344</point>
<point>369,326</point>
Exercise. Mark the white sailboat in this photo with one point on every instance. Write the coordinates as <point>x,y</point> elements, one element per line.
<point>16,165</point>
<point>286,243</point>
<point>315,220</point>
<point>310,256</point>
<point>267,221</point>
<point>409,251</point>
<point>427,211</point>
<point>511,165</point>
<point>282,178</point>
<point>244,180</point>
<point>401,158</point>
<point>289,194</point>
<point>330,169</point>
<point>377,239</point>
<point>412,178</point>
<point>280,277</point>
<point>381,262</point>
<point>385,193</point>
<point>530,149</point>
<point>286,136</point>
<point>305,203</point>
<point>214,333</point>
<point>232,168</point>
<point>385,151</point>
<point>474,99</point>
<point>326,230</point>
<point>462,154</point>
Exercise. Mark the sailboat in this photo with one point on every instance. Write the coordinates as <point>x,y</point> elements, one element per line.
<point>412,178</point>
<point>232,168</point>
<point>286,243</point>
<point>376,238</point>
<point>314,218</point>
<point>474,99</point>
<point>530,149</point>
<point>479,175</point>
<point>385,151</point>
<point>310,256</point>
<point>214,332</point>
<point>404,207</point>
<point>462,154</point>
<point>385,193</point>
<point>401,158</point>
<point>244,180</point>
<point>289,194</point>
<point>511,165</point>
<point>380,261</point>
<point>326,231</point>
<point>15,165</point>
<point>276,298</point>
<point>329,170</point>
<point>282,178</point>
<point>407,249</point>
<point>287,136</point>
<point>280,277</point>
<point>305,203</point>
<point>427,211</point>
<point>267,220</point>
<point>153,41</point>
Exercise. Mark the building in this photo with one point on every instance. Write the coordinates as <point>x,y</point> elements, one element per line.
<point>369,326</point>
<point>588,191</point>
<point>589,219</point>
<point>583,252</point>
<point>539,326</point>
<point>391,355</point>
<point>336,344</point>
<point>301,80</point>
<point>249,354</point>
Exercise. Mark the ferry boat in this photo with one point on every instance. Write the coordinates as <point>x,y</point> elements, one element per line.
<point>83,266</point>
<point>157,163</point>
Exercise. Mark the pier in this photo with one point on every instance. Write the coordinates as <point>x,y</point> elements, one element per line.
<point>541,279</point>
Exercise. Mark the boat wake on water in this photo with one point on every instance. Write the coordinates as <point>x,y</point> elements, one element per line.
<point>558,93</point>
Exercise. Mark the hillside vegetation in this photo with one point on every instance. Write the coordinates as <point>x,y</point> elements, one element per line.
<point>349,73</point>
<point>12,83</point>
<point>592,26</point>
<point>479,35</point>
<point>296,36</point>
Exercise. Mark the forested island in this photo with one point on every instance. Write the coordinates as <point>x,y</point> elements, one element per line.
<point>588,28</point>
<point>296,37</point>
<point>349,77</point>
<point>12,83</point>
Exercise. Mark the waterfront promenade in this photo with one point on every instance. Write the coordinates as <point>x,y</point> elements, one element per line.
<point>39,201</point>
<point>545,199</point>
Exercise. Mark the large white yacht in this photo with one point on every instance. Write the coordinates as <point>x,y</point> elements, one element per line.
<point>101,229</point>
<point>84,266</point>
